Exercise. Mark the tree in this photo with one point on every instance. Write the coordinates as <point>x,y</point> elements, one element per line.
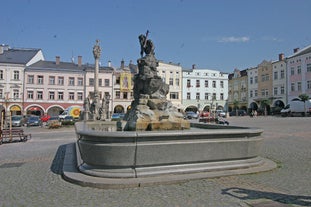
<point>264,103</point>
<point>304,97</point>
<point>235,104</point>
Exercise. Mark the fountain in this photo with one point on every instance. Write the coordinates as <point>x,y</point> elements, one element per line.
<point>156,144</point>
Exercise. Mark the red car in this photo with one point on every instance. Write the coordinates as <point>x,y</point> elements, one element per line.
<point>45,118</point>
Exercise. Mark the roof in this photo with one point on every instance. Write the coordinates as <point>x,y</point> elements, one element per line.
<point>18,56</point>
<point>301,52</point>
<point>43,65</point>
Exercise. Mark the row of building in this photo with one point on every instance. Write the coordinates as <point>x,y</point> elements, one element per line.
<point>29,84</point>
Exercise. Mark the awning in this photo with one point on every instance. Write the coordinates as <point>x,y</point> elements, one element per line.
<point>15,108</point>
<point>34,108</point>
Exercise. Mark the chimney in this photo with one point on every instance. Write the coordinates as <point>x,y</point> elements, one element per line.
<point>193,66</point>
<point>57,60</point>
<point>79,61</point>
<point>281,56</point>
<point>109,63</point>
<point>3,48</point>
<point>122,64</point>
<point>296,49</point>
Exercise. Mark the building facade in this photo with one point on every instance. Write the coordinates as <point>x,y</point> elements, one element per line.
<point>204,90</point>
<point>299,73</point>
<point>12,66</point>
<point>238,90</point>
<point>171,74</point>
<point>279,86</point>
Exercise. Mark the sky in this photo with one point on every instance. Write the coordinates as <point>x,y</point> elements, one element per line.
<point>219,35</point>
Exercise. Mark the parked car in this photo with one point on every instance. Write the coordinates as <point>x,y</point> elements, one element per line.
<point>17,121</point>
<point>45,118</point>
<point>117,116</point>
<point>221,113</point>
<point>204,114</point>
<point>34,121</point>
<point>54,122</point>
<point>239,113</point>
<point>191,115</point>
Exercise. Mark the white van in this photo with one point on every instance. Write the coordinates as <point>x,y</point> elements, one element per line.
<point>297,107</point>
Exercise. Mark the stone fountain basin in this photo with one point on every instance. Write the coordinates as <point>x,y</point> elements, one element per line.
<point>136,157</point>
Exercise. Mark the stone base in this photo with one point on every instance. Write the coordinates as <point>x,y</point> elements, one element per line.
<point>162,125</point>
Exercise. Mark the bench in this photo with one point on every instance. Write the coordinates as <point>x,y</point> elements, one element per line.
<point>13,133</point>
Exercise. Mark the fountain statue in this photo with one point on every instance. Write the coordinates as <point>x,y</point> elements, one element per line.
<point>150,110</point>
<point>153,147</point>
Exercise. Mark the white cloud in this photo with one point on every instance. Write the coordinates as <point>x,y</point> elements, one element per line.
<point>233,39</point>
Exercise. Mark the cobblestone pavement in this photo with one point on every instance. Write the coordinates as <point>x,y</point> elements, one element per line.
<point>30,174</point>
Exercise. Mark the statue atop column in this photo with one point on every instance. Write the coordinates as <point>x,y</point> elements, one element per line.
<point>96,109</point>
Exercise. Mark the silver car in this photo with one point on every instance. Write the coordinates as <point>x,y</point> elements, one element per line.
<point>17,121</point>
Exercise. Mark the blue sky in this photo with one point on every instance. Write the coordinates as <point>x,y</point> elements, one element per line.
<point>220,34</point>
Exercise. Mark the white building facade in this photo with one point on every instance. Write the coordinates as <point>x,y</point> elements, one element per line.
<point>171,74</point>
<point>204,89</point>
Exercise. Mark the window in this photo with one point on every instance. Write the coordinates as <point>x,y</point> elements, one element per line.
<point>1,93</point>
<point>80,96</point>
<point>39,95</point>
<point>16,75</point>
<point>171,81</point>
<point>80,81</point>
<point>221,84</point>
<point>214,96</point>
<point>275,76</point>
<point>292,71</point>
<point>256,93</point>
<point>299,69</point>
<point>188,83</point>
<point>221,96</point>
<point>52,80</point>
<point>174,95</point>
<point>256,79</point>
<point>51,95</point>
<point>118,94</point>
<point>29,94</point>
<point>206,95</point>
<point>71,96</point>
<point>267,92</point>
<point>107,82</point>
<point>60,95</point>
<point>251,94</point>
<point>282,74</point>
<point>1,74</point>
<point>214,84</point>
<point>188,96</point>
<point>100,82</point>
<point>91,81</point>
<point>299,86</point>
<point>197,96</point>
<point>15,93</point>
<point>61,81</point>
<point>251,80</point>
<point>292,86</point>
<point>177,81</point>
<point>282,90</point>
<point>308,84</point>
<point>71,81</point>
<point>309,67</point>
<point>40,79</point>
<point>197,83</point>
<point>262,92</point>
<point>206,83</point>
<point>124,95</point>
<point>30,79</point>
<point>275,91</point>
